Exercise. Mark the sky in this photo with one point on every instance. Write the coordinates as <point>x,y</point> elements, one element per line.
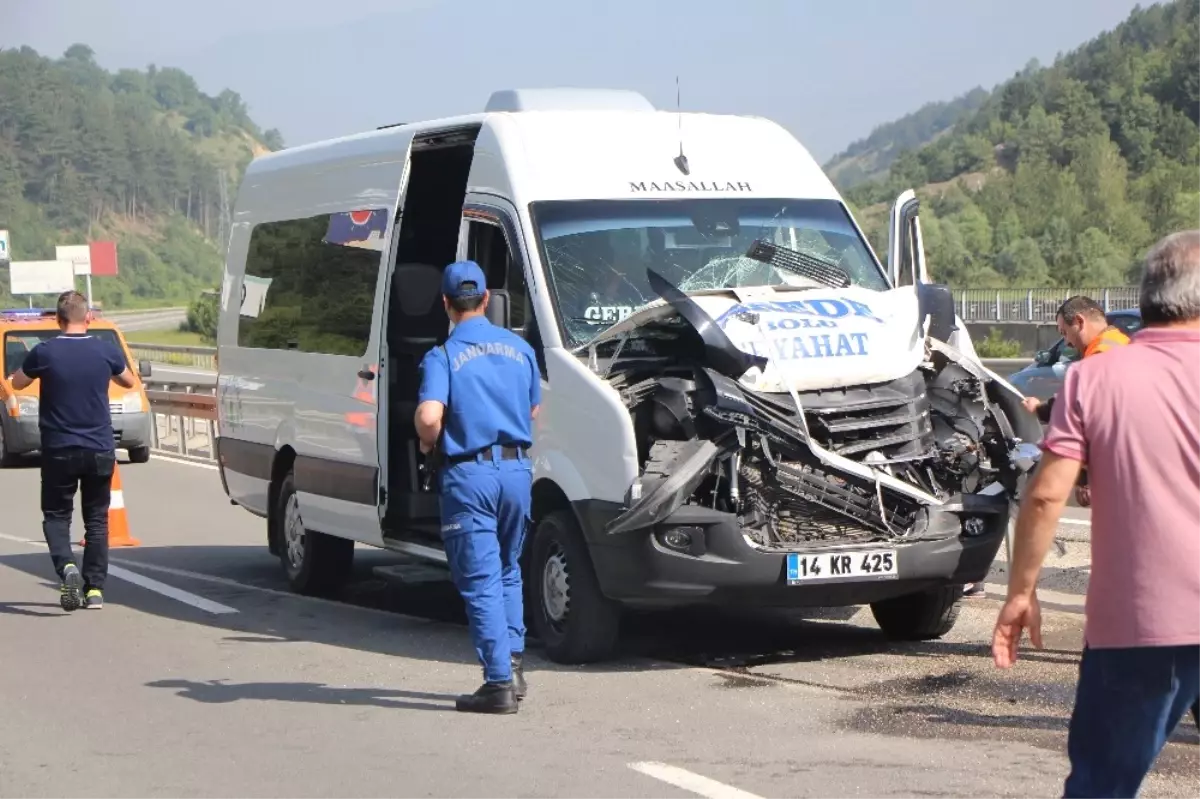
<point>828,71</point>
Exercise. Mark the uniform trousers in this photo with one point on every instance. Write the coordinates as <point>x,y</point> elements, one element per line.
<point>485,514</point>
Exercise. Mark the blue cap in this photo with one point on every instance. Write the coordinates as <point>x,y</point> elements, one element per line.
<point>463,279</point>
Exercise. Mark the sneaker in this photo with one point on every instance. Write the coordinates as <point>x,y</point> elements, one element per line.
<point>974,591</point>
<point>93,600</point>
<point>70,593</point>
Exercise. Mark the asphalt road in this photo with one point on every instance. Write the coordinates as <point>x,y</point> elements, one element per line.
<point>165,373</point>
<point>166,319</point>
<point>204,677</point>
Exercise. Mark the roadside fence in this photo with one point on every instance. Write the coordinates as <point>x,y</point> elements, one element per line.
<point>1035,306</point>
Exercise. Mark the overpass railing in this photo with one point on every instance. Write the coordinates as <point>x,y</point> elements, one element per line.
<point>1035,306</point>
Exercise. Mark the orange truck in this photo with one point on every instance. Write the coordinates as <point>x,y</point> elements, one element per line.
<point>23,329</point>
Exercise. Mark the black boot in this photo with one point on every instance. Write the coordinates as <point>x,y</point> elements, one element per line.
<point>518,673</point>
<point>492,697</point>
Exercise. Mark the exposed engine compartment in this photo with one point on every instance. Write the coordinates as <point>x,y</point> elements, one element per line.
<point>856,464</point>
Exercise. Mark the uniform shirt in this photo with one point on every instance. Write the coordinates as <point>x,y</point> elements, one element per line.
<point>75,370</point>
<point>488,380</point>
<point>1109,337</point>
<point>1132,416</point>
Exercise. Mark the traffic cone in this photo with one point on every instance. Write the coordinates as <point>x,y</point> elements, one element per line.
<point>118,523</point>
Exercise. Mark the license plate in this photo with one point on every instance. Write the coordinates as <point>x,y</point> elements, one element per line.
<point>871,564</point>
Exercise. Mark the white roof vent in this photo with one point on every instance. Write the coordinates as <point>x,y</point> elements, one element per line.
<point>567,100</point>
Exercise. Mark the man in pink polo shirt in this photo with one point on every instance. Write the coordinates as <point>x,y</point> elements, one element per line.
<point>1133,417</point>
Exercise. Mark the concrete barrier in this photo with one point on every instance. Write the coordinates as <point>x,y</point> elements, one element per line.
<point>1030,335</point>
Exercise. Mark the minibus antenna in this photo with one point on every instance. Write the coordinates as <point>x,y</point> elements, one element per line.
<point>680,160</point>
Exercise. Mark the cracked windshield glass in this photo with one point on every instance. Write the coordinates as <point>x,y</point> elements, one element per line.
<point>597,252</point>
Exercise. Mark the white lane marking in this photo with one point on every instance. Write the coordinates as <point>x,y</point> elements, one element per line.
<point>225,581</point>
<point>1083,522</point>
<point>694,783</point>
<point>186,597</point>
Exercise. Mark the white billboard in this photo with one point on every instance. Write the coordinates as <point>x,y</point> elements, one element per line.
<point>41,277</point>
<point>80,255</point>
<point>5,257</point>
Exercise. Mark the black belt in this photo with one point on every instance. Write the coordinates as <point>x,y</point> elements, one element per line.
<point>506,454</point>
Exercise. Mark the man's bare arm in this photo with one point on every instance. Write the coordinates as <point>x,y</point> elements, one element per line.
<point>1045,496</point>
<point>20,380</point>
<point>428,421</point>
<point>125,379</point>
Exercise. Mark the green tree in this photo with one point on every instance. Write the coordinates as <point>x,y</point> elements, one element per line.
<point>1008,230</point>
<point>202,315</point>
<point>1100,262</point>
<point>1022,265</point>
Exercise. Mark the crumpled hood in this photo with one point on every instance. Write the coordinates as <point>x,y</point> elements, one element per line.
<point>814,338</point>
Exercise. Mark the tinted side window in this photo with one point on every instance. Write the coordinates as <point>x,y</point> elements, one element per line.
<point>488,247</point>
<point>310,283</point>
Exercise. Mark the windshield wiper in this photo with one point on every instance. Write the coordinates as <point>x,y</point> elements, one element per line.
<point>799,263</point>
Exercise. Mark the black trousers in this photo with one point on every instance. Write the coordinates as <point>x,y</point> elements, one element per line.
<point>64,471</point>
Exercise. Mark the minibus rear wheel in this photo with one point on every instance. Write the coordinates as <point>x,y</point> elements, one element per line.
<point>314,563</point>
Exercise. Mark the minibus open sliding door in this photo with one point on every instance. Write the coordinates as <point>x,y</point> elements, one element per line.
<point>425,240</point>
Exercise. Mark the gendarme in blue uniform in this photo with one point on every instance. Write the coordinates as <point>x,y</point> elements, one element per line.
<point>487,379</point>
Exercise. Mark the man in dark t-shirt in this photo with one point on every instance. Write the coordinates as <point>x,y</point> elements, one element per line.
<point>78,450</point>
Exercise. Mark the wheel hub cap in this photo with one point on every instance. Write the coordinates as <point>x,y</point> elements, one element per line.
<point>556,587</point>
<point>293,532</point>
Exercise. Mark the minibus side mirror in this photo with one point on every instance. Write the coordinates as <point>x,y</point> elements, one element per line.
<point>144,368</point>
<point>497,308</point>
<point>936,302</point>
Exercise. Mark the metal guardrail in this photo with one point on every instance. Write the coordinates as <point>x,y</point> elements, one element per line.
<point>1035,306</point>
<point>198,357</point>
<point>184,419</point>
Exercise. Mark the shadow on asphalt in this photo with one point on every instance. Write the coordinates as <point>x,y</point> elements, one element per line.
<point>49,609</point>
<point>219,692</point>
<point>729,640</point>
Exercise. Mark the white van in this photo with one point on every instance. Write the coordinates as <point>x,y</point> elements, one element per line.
<point>742,405</point>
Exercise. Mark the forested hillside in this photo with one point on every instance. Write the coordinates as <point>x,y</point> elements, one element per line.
<point>1066,174</point>
<point>870,158</point>
<point>141,157</point>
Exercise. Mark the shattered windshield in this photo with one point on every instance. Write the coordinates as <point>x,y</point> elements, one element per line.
<point>597,251</point>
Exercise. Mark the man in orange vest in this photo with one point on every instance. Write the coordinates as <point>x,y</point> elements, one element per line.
<point>1081,321</point>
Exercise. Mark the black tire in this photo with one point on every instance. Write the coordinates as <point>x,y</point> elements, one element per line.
<point>314,563</point>
<point>919,617</point>
<point>581,625</point>
<point>139,454</point>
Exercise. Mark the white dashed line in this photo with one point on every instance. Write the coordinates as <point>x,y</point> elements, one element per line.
<point>170,591</point>
<point>688,781</point>
<point>1081,522</point>
<point>186,597</point>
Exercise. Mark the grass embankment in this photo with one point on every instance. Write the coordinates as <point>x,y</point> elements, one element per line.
<point>172,338</point>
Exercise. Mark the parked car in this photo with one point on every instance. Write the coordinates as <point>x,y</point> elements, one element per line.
<point>1044,377</point>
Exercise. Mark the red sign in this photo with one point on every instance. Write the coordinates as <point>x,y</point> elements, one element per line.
<point>104,258</point>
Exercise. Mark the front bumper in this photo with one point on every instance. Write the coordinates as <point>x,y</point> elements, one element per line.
<point>638,569</point>
<point>23,436</point>
<point>132,429</point>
